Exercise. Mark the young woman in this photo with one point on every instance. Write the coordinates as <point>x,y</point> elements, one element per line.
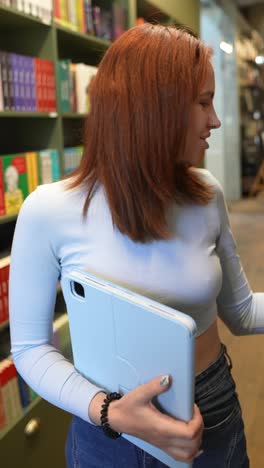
<point>139,212</point>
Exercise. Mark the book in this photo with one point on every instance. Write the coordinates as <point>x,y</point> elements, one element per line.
<point>1,92</point>
<point>119,15</point>
<point>15,181</point>
<point>72,157</point>
<point>4,280</point>
<point>4,79</point>
<point>48,165</point>
<point>63,70</point>
<point>2,190</point>
<point>15,67</point>
<point>88,15</point>
<point>83,77</point>
<point>80,15</point>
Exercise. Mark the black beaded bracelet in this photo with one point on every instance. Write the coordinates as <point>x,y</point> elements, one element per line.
<point>104,418</point>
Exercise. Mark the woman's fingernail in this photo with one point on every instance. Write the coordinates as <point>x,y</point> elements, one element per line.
<point>199,453</point>
<point>165,380</point>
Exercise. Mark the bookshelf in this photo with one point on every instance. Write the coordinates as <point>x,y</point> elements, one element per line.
<point>251,84</point>
<point>24,131</point>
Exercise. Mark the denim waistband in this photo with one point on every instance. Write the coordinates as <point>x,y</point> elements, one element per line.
<point>222,359</point>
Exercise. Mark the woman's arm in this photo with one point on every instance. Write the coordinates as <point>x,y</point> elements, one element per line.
<point>240,309</point>
<point>34,274</point>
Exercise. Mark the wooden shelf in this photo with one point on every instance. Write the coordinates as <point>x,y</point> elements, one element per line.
<point>26,115</point>
<point>12,17</point>
<point>73,115</point>
<point>4,325</point>
<point>7,218</point>
<point>82,48</point>
<point>78,36</point>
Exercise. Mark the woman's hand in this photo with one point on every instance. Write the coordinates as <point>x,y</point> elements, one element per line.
<point>135,414</point>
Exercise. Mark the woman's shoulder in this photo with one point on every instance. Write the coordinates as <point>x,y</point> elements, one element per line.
<point>50,200</point>
<point>207,177</point>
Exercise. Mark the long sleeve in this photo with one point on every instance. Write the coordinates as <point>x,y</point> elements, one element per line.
<point>34,274</point>
<point>240,309</point>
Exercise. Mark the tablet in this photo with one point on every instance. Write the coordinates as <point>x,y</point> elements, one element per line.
<point>121,339</point>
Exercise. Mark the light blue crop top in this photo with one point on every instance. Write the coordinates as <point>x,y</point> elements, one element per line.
<point>197,271</point>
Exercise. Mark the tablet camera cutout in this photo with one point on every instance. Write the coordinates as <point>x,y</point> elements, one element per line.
<point>77,289</point>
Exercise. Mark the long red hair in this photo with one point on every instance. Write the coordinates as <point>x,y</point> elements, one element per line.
<point>135,134</point>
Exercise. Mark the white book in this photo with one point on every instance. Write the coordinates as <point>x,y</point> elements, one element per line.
<point>45,167</point>
<point>83,76</point>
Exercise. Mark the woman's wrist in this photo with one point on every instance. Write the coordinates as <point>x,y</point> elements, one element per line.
<point>105,423</point>
<point>95,408</point>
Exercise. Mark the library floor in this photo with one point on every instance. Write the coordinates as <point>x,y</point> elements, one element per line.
<point>247,221</point>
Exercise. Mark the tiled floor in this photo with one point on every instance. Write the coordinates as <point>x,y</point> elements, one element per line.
<point>247,221</point>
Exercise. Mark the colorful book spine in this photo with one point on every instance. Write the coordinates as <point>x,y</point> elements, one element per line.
<point>63,70</point>
<point>5,86</point>
<point>3,421</point>
<point>1,91</point>
<point>15,182</point>
<point>56,8</point>
<point>6,400</point>
<point>2,312</point>
<point>96,15</point>
<point>4,281</point>
<point>80,16</point>
<point>49,170</point>
<point>11,407</point>
<point>29,172</point>
<point>21,81</point>
<point>38,83</point>
<point>32,85</point>
<point>34,169</point>
<point>51,85</point>
<point>83,77</point>
<point>27,83</point>
<point>119,15</point>
<point>63,10</point>
<point>88,14</point>
<point>10,83</point>
<point>72,158</point>
<point>72,16</point>
<point>55,165</point>
<point>2,190</point>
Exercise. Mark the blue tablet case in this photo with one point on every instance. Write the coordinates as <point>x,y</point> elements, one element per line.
<point>121,339</point>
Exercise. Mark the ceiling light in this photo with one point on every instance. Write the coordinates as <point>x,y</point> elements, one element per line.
<point>259,60</point>
<point>226,47</point>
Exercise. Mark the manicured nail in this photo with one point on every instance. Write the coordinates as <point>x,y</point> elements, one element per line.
<point>199,453</point>
<point>165,380</point>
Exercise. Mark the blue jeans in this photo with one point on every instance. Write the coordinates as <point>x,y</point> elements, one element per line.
<point>224,442</point>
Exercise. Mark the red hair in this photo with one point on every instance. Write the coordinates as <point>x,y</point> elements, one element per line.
<point>135,133</point>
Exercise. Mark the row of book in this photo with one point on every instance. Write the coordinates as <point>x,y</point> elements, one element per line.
<point>72,158</point>
<point>26,83</point>
<point>10,401</point>
<point>15,394</point>
<point>88,18</point>
<point>21,173</point>
<point>74,82</point>
<point>79,15</point>
<point>4,281</point>
<point>41,9</point>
